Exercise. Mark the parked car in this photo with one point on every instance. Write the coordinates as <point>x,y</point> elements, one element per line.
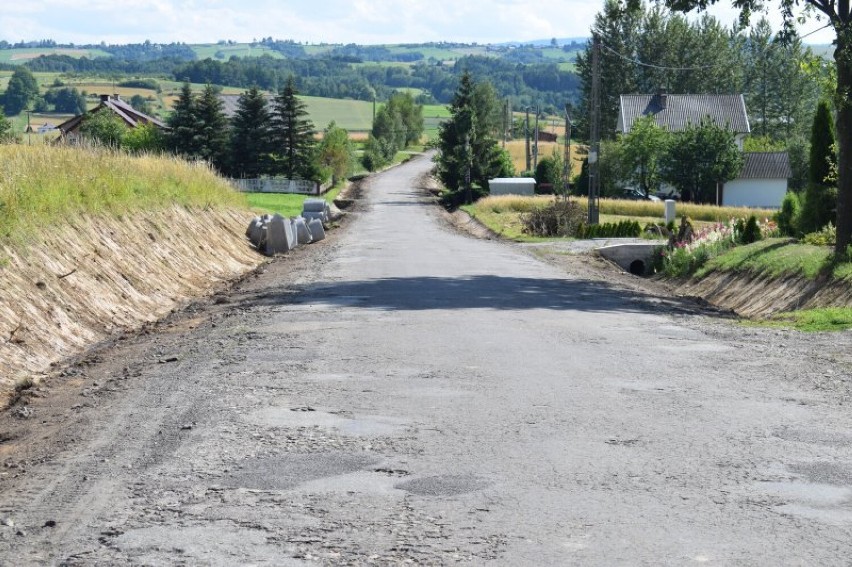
<point>637,195</point>
<point>668,193</point>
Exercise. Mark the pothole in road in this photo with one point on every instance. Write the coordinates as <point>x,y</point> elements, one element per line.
<point>623,442</point>
<point>282,473</point>
<point>443,485</point>
<point>834,474</point>
<point>306,416</point>
<point>392,472</point>
<point>815,436</point>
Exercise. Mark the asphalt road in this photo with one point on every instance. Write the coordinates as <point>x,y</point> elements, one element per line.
<point>407,393</point>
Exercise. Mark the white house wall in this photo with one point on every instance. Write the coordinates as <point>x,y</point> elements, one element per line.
<point>763,193</point>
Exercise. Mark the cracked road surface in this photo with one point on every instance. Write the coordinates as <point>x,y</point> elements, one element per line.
<point>405,393</point>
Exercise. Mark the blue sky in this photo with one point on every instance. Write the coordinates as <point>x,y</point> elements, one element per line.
<point>314,21</point>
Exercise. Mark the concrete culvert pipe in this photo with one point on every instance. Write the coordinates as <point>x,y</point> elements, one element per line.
<point>637,268</point>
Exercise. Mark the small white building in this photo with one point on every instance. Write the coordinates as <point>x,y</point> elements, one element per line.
<point>762,182</point>
<point>511,186</point>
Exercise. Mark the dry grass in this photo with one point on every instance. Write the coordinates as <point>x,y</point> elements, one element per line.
<point>517,151</point>
<point>624,208</point>
<point>43,185</point>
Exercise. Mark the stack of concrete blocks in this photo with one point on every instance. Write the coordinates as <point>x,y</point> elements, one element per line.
<point>316,209</point>
<point>274,234</point>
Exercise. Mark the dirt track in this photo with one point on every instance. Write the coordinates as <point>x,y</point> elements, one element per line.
<point>404,392</point>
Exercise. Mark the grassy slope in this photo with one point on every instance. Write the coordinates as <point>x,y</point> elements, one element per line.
<point>45,185</point>
<point>778,257</point>
<point>209,50</point>
<point>17,56</point>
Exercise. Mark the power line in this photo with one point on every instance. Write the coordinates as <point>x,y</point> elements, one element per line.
<point>695,68</point>
<point>662,67</point>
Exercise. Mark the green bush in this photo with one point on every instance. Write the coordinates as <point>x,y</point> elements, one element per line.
<point>818,208</point>
<point>827,236</point>
<point>751,231</point>
<point>788,216</point>
<point>623,229</point>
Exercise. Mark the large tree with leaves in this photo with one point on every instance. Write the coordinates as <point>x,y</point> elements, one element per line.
<point>699,159</point>
<point>249,143</point>
<point>292,135</point>
<point>839,15</point>
<point>20,92</point>
<point>642,151</point>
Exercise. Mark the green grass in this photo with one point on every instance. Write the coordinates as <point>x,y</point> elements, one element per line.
<point>773,257</point>
<point>44,185</point>
<point>810,320</point>
<point>209,50</point>
<point>355,115</point>
<point>19,56</point>
<point>286,204</point>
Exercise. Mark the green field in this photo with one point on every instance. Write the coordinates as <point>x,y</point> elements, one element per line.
<point>353,115</point>
<point>17,56</point>
<point>225,52</point>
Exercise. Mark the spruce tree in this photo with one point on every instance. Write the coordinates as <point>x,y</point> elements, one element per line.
<point>292,135</point>
<point>211,127</point>
<point>249,143</point>
<point>466,141</point>
<point>182,138</point>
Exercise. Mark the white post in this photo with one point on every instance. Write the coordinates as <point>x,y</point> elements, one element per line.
<point>670,211</point>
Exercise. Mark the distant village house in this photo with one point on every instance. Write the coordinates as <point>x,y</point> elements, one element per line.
<point>764,177</point>
<point>70,129</point>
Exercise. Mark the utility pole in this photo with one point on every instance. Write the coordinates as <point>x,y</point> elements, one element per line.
<point>527,136</point>
<point>535,145</point>
<point>469,159</point>
<point>29,128</point>
<point>507,122</point>
<point>566,166</point>
<point>595,131</point>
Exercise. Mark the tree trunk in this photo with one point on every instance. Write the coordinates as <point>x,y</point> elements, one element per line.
<point>843,56</point>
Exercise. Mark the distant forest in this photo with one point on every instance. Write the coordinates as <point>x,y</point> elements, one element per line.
<point>346,71</point>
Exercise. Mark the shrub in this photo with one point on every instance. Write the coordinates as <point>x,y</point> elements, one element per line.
<point>750,232</point>
<point>788,216</point>
<point>559,218</point>
<point>827,236</point>
<point>818,208</point>
<point>140,84</point>
<point>623,229</point>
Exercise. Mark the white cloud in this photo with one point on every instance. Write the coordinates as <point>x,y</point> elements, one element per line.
<point>333,21</point>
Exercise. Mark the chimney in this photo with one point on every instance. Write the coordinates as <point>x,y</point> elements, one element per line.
<point>662,97</point>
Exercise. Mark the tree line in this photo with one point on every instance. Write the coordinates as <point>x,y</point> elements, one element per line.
<point>540,84</point>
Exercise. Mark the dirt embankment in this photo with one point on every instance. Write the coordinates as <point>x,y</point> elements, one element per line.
<point>85,282</point>
<point>761,296</point>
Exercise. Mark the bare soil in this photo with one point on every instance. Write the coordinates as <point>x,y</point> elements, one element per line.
<point>98,278</point>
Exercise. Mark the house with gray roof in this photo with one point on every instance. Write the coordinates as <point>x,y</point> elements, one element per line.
<point>70,129</point>
<point>763,180</point>
<point>675,112</point>
<point>761,183</point>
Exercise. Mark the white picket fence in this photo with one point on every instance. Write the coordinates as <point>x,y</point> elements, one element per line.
<point>278,185</point>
